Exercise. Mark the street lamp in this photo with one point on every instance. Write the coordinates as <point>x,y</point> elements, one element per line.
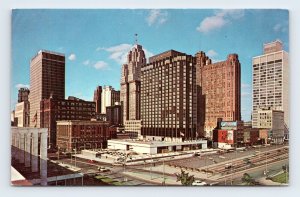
<point>75,156</point>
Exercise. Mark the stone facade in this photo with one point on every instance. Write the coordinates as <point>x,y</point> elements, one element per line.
<point>130,83</point>
<point>220,90</point>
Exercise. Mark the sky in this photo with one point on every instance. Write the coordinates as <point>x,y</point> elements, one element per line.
<point>96,42</point>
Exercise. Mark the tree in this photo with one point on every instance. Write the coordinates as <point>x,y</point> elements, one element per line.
<point>248,180</point>
<point>185,178</point>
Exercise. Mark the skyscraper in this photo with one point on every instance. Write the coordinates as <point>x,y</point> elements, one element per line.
<point>47,79</point>
<point>97,98</point>
<point>131,82</point>
<point>169,97</point>
<point>109,97</point>
<point>270,81</point>
<point>220,88</point>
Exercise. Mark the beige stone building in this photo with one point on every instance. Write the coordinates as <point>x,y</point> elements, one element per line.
<point>131,83</point>
<point>272,120</point>
<point>22,114</point>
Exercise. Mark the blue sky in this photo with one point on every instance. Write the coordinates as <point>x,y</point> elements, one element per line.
<point>96,42</point>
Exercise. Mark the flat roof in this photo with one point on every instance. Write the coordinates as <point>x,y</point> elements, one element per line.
<point>155,143</point>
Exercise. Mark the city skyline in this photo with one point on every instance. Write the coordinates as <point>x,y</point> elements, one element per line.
<point>104,45</point>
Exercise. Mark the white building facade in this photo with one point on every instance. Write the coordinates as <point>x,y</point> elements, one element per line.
<point>270,82</point>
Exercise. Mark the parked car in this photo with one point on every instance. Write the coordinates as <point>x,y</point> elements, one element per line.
<point>103,169</point>
<point>199,182</point>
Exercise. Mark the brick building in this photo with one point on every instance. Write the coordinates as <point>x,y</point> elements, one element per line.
<point>220,86</point>
<point>228,134</point>
<point>72,108</point>
<point>79,135</point>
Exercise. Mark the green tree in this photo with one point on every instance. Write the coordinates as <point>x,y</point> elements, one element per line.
<point>185,178</point>
<point>248,180</point>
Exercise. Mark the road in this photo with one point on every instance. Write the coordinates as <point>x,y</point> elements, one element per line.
<point>214,165</point>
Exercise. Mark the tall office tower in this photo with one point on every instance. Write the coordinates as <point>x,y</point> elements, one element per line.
<point>97,98</point>
<point>109,97</point>
<point>220,89</point>
<point>130,83</point>
<point>270,81</point>
<point>23,94</point>
<point>47,79</point>
<point>169,97</point>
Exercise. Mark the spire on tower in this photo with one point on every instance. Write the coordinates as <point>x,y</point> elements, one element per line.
<point>136,38</point>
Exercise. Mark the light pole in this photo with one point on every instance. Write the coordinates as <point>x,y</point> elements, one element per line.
<point>58,154</point>
<point>151,167</point>
<point>75,156</point>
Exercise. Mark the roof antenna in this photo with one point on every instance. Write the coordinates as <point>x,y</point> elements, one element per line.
<point>136,38</point>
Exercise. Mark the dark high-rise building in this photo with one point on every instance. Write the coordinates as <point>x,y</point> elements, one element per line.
<point>97,98</point>
<point>169,96</point>
<point>220,90</point>
<point>114,114</point>
<point>52,110</point>
<point>23,94</point>
<point>47,79</point>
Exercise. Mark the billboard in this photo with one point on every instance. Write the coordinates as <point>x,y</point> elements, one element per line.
<point>229,124</point>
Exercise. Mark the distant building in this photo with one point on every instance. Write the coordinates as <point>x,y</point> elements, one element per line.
<point>53,110</point>
<point>271,82</point>
<point>80,135</point>
<point>133,128</point>
<point>251,137</point>
<point>228,134</point>
<point>169,97</point>
<point>114,114</point>
<point>220,89</point>
<point>131,82</point>
<point>13,119</point>
<point>97,98</point>
<point>22,113</point>
<point>47,79</point>
<point>23,94</point>
<point>272,120</point>
<point>109,97</point>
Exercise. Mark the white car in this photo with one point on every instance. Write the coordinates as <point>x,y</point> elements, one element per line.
<point>199,182</point>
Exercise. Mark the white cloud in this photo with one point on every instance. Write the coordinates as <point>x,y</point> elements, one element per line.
<point>245,85</point>
<point>245,94</point>
<point>212,53</point>
<point>157,17</point>
<point>279,27</point>
<point>86,62</point>
<point>101,65</point>
<point>119,52</point>
<point>20,85</point>
<point>72,57</point>
<point>219,19</point>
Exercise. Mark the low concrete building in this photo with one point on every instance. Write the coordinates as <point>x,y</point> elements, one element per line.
<point>154,147</point>
<point>78,135</point>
